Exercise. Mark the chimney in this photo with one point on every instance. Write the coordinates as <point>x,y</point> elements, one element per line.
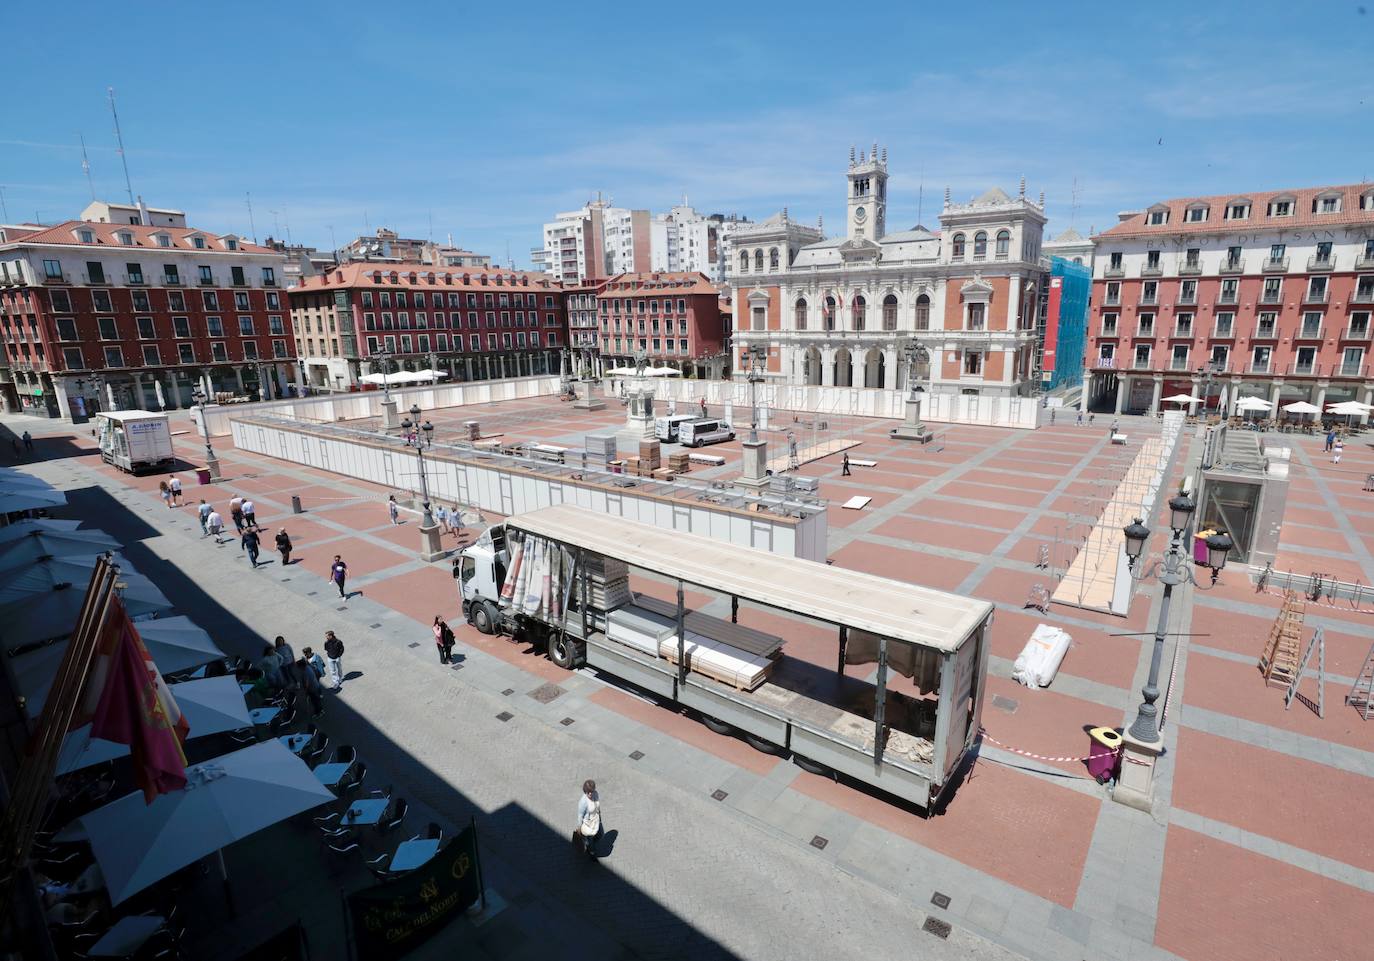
<point>144,217</point>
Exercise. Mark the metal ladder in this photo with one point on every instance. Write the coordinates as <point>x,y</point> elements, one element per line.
<point>1361,696</point>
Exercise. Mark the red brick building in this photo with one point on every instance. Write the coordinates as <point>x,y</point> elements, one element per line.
<point>675,318</point>
<point>138,316</point>
<point>1263,294</point>
<point>471,323</point>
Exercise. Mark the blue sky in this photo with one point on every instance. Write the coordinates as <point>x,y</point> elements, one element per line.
<point>486,120</point>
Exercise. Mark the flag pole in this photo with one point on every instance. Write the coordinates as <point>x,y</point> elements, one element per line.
<point>477,859</point>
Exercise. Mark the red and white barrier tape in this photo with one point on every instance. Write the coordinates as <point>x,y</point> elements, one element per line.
<point>1038,757</point>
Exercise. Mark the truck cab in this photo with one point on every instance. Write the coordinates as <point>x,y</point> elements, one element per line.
<point>481,575</point>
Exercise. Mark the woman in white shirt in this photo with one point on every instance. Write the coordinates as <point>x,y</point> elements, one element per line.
<point>589,818</point>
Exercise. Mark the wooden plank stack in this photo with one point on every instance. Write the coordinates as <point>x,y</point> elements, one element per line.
<point>601,447</point>
<point>608,582</point>
<point>680,463</point>
<point>649,454</point>
<point>1279,662</point>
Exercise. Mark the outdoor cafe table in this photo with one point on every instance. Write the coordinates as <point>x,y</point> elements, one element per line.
<point>294,742</point>
<point>127,936</point>
<point>331,774</point>
<point>414,853</point>
<point>263,715</point>
<point>365,811</point>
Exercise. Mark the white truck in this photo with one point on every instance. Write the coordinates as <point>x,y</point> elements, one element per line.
<point>557,578</point>
<point>137,441</point>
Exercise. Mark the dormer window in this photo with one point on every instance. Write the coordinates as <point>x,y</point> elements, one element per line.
<point>1157,216</point>
<point>1195,215</point>
<point>231,244</point>
<point>1281,207</point>
<point>198,243</point>
<point>163,240</point>
<point>1329,203</point>
<point>126,238</point>
<point>1238,210</point>
<point>86,236</point>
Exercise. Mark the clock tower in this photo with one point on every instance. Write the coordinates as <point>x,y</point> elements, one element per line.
<point>867,195</point>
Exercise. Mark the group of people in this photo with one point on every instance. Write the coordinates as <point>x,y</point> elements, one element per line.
<point>450,521</point>
<point>242,511</point>
<point>279,669</point>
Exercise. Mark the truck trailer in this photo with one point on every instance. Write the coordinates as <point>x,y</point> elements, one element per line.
<point>558,579</point>
<point>137,441</point>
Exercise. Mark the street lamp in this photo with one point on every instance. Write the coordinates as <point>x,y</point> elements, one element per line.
<point>211,462</point>
<point>758,355</point>
<point>1171,570</point>
<point>388,405</point>
<point>412,423</point>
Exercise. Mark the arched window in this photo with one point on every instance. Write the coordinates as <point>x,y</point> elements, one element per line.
<point>980,245</point>
<point>758,259</point>
<point>890,312</point>
<point>828,313</point>
<point>860,309</point>
<point>923,312</point>
<point>773,259</point>
<point>1003,244</point>
<point>957,248</point>
<point>800,317</point>
<point>744,261</point>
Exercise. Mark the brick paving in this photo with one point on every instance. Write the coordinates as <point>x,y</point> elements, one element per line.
<point>1035,857</point>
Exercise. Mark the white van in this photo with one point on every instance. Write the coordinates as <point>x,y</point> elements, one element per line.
<point>136,441</point>
<point>666,428</point>
<point>704,430</point>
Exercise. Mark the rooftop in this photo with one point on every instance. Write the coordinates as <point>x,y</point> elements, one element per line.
<point>1302,212</point>
<point>69,234</point>
<point>359,273</point>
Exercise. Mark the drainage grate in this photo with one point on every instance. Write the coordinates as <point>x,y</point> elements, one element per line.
<point>937,927</point>
<point>546,693</point>
<point>413,644</point>
<point>456,667</point>
<point>285,579</point>
<point>566,721</point>
<point>719,795</point>
<point>341,608</point>
<point>1005,703</point>
<point>819,842</point>
<point>504,716</point>
<point>940,900</point>
<point>311,593</point>
<point>373,627</point>
<point>508,691</point>
<point>636,755</point>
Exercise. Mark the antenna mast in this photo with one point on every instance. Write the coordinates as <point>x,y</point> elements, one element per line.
<point>1073,209</point>
<point>252,227</point>
<point>86,166</point>
<point>921,195</point>
<point>119,139</point>
<point>4,210</point>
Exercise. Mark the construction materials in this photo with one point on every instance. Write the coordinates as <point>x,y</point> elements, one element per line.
<point>680,463</point>
<point>654,633</point>
<point>856,503</point>
<point>601,447</point>
<point>1319,642</point>
<point>1279,662</point>
<point>649,454</point>
<point>711,460</point>
<point>1039,660</point>
<point>1361,696</point>
<point>608,582</point>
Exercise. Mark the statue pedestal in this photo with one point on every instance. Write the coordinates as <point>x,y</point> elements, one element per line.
<point>431,547</point>
<point>1136,783</point>
<point>755,474</point>
<point>912,428</point>
<point>389,422</point>
<point>587,398</point>
<point>639,424</point>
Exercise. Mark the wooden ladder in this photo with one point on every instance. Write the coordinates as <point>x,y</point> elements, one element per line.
<point>1279,662</point>
<point>1361,695</point>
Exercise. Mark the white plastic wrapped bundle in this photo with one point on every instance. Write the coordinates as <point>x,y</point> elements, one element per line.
<point>1039,660</point>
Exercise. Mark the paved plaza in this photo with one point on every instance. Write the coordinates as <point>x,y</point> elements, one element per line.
<point>1254,849</point>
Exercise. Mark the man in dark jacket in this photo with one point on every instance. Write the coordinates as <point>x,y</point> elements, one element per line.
<point>284,546</point>
<point>251,544</point>
<point>334,651</point>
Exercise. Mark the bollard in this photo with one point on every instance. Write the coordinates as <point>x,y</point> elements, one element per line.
<point>295,504</point>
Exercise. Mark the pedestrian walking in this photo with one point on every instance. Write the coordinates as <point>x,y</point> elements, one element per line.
<point>703,407</point>
<point>28,442</point>
<point>589,827</point>
<point>441,515</point>
<point>236,512</point>
<point>338,573</point>
<point>214,523</point>
<point>844,465</point>
<point>1330,439</point>
<point>1116,424</point>
<point>284,546</point>
<point>250,513</point>
<point>443,639</point>
<point>175,485</point>
<point>304,676</point>
<point>314,660</point>
<point>456,522</point>
<point>165,493</point>
<point>334,652</point>
<point>204,511</point>
<point>250,542</point>
<point>1091,417</point>
<point>1080,418</point>
<point>284,650</point>
<point>392,509</point>
<point>1052,413</point>
<point>1336,450</point>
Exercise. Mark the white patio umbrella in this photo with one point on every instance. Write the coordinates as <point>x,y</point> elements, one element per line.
<point>9,477</point>
<point>1349,407</point>
<point>1253,403</point>
<point>226,799</point>
<point>42,601</point>
<point>1301,407</point>
<point>211,706</point>
<point>1183,399</point>
<point>24,528</point>
<point>430,374</point>
<point>38,545</point>
<point>161,400</point>
<point>175,643</point>
<point>21,498</point>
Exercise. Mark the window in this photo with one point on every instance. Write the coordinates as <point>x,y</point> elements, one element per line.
<point>279,348</point>
<point>1187,292</point>
<point>207,276</point>
<point>1352,362</point>
<point>241,300</point>
<point>1149,292</point>
<point>150,355</point>
<point>163,240</point>
<point>140,299</point>
<point>1267,325</point>
<point>1152,260</point>
<point>210,299</point>
<point>860,312</point>
<point>1259,359</point>
<point>107,327</point>
<point>245,325</point>
<point>134,272</point>
<point>236,276</point>
<point>1220,355</point>
<point>1229,290</point>
<point>1157,217</point>
<point>1003,244</point>
<point>799,314</point>
<point>170,275</point>
<point>218,353</point>
<point>95,272</point>
<point>250,350</point>
<point>475,342</point>
<point>52,269</point>
<point>1115,262</point>
<point>1364,290</point>
<point>1179,360</point>
<point>1237,211</point>
<point>828,313</point>
<point>198,243</point>
<point>773,259</point>
<point>957,247</point>
<point>890,312</point>
<point>1359,325</point>
<point>185,354</point>
<point>1142,356</point>
<point>1280,208</point>
<point>973,363</point>
<point>66,328</point>
<point>146,330</point>
<point>1113,293</point>
<point>214,327</point>
<point>1195,215</point>
<point>1183,325</point>
<point>1146,325</point>
<point>491,342</point>
<point>72,359</point>
<point>1106,356</point>
<point>100,299</point>
<point>977,317</point>
<point>114,357</point>
<point>269,277</point>
<point>1327,205</point>
<point>181,327</point>
<point>1323,252</point>
<point>1316,290</point>
<point>61,302</point>
<point>1273,290</point>
<point>274,324</point>
<point>87,236</point>
<point>1109,322</point>
<point>1225,323</point>
<point>923,312</point>
<point>126,238</point>
<point>980,245</point>
<point>758,265</point>
<point>1192,256</point>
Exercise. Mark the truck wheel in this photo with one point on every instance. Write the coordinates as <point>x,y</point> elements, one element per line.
<point>811,767</point>
<point>484,617</point>
<point>719,727</point>
<point>766,747</point>
<point>563,651</point>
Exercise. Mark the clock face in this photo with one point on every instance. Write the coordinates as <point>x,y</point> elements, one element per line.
<point>860,214</point>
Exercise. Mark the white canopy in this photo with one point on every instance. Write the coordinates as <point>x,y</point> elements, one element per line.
<point>226,799</point>
<point>1253,403</point>
<point>42,601</point>
<point>22,528</point>
<point>1352,407</point>
<point>18,497</point>
<point>403,377</point>
<point>39,544</point>
<point>1302,407</point>
<point>648,372</point>
<point>1183,399</point>
<point>211,705</point>
<point>9,477</point>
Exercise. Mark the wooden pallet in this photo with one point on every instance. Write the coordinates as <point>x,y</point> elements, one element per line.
<point>1279,662</point>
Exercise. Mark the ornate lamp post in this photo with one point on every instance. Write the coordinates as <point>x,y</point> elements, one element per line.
<point>430,548</point>
<point>211,462</point>
<point>1142,741</point>
<point>388,404</point>
<point>758,355</point>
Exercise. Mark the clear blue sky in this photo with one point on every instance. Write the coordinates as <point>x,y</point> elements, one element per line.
<point>485,120</point>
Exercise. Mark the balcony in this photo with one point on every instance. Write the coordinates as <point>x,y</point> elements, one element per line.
<point>1182,331</point>
<point>1228,297</point>
<point>1148,300</point>
<point>1109,330</point>
<point>1365,261</point>
<point>1216,367</point>
<point>1178,363</point>
<point>1152,271</point>
<point>238,281</point>
<point>1190,268</point>
<point>1346,369</point>
<point>1356,332</point>
<point>1232,266</point>
<point>135,280</point>
<point>1275,265</point>
<point>1140,363</point>
<point>1111,300</point>
<point>1113,271</point>
<point>1316,296</point>
<point>94,280</point>
<point>1318,262</point>
<point>1363,295</point>
<point>172,280</point>
<point>206,281</point>
<point>1266,332</point>
<point>61,278</point>
<point>1271,297</point>
<point>269,281</point>
<point>1224,331</point>
<point>1145,330</point>
<point>1259,367</point>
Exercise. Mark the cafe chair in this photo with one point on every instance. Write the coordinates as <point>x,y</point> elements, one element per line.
<point>346,844</point>
<point>435,832</point>
<point>244,735</point>
<point>344,754</point>
<point>352,786</point>
<point>398,815</point>
<point>375,866</point>
<point>313,751</point>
